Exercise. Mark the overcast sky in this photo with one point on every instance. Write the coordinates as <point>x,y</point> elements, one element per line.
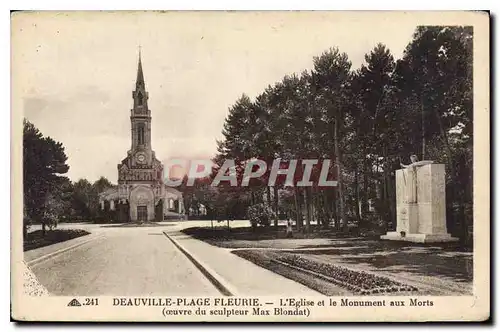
<point>78,70</point>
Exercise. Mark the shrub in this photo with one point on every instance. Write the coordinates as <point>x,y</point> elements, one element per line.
<point>260,215</point>
<point>50,219</point>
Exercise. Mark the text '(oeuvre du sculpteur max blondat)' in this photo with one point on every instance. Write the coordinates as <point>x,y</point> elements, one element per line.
<point>420,203</point>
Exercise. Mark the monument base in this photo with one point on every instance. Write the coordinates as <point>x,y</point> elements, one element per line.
<point>419,238</point>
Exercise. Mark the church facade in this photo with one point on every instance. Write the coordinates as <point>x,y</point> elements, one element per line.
<point>141,194</point>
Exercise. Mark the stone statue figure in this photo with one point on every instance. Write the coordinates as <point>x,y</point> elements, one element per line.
<point>416,163</point>
<point>411,182</point>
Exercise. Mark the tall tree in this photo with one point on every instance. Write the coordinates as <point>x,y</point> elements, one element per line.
<point>44,161</point>
<point>372,126</point>
<point>102,184</point>
<point>84,199</point>
<point>332,70</point>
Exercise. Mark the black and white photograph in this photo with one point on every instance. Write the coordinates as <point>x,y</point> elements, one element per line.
<point>250,166</point>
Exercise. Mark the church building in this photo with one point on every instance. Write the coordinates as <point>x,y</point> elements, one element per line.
<point>141,194</point>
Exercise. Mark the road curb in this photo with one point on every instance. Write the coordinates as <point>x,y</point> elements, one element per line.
<point>222,285</point>
<point>43,258</point>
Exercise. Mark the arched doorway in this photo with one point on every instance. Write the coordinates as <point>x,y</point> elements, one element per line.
<point>142,207</point>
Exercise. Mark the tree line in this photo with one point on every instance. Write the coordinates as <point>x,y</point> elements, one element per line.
<point>49,196</point>
<point>367,121</point>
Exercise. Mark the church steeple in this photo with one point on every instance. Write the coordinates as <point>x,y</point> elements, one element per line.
<point>140,76</point>
<point>140,94</point>
<point>140,116</point>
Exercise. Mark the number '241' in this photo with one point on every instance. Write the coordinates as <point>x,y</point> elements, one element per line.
<point>92,301</point>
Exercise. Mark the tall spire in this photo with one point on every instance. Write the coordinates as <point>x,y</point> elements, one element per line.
<point>140,75</point>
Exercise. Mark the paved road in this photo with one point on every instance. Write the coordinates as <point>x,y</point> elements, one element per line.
<point>124,261</point>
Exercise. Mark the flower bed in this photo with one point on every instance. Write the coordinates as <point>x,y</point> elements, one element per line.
<point>359,282</point>
<point>37,239</point>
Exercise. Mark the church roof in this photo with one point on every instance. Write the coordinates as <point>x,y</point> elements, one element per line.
<point>110,193</point>
<point>172,190</point>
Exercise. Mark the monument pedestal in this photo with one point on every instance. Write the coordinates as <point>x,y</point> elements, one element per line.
<point>419,238</point>
<point>421,205</point>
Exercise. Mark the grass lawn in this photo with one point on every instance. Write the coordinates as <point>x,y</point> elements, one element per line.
<point>246,237</point>
<point>433,269</point>
<point>35,239</point>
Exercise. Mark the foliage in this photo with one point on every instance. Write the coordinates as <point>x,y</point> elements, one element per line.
<point>38,239</point>
<point>260,214</point>
<point>368,121</point>
<point>84,199</point>
<point>50,197</point>
<point>44,162</point>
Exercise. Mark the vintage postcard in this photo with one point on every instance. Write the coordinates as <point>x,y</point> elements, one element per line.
<point>250,166</point>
